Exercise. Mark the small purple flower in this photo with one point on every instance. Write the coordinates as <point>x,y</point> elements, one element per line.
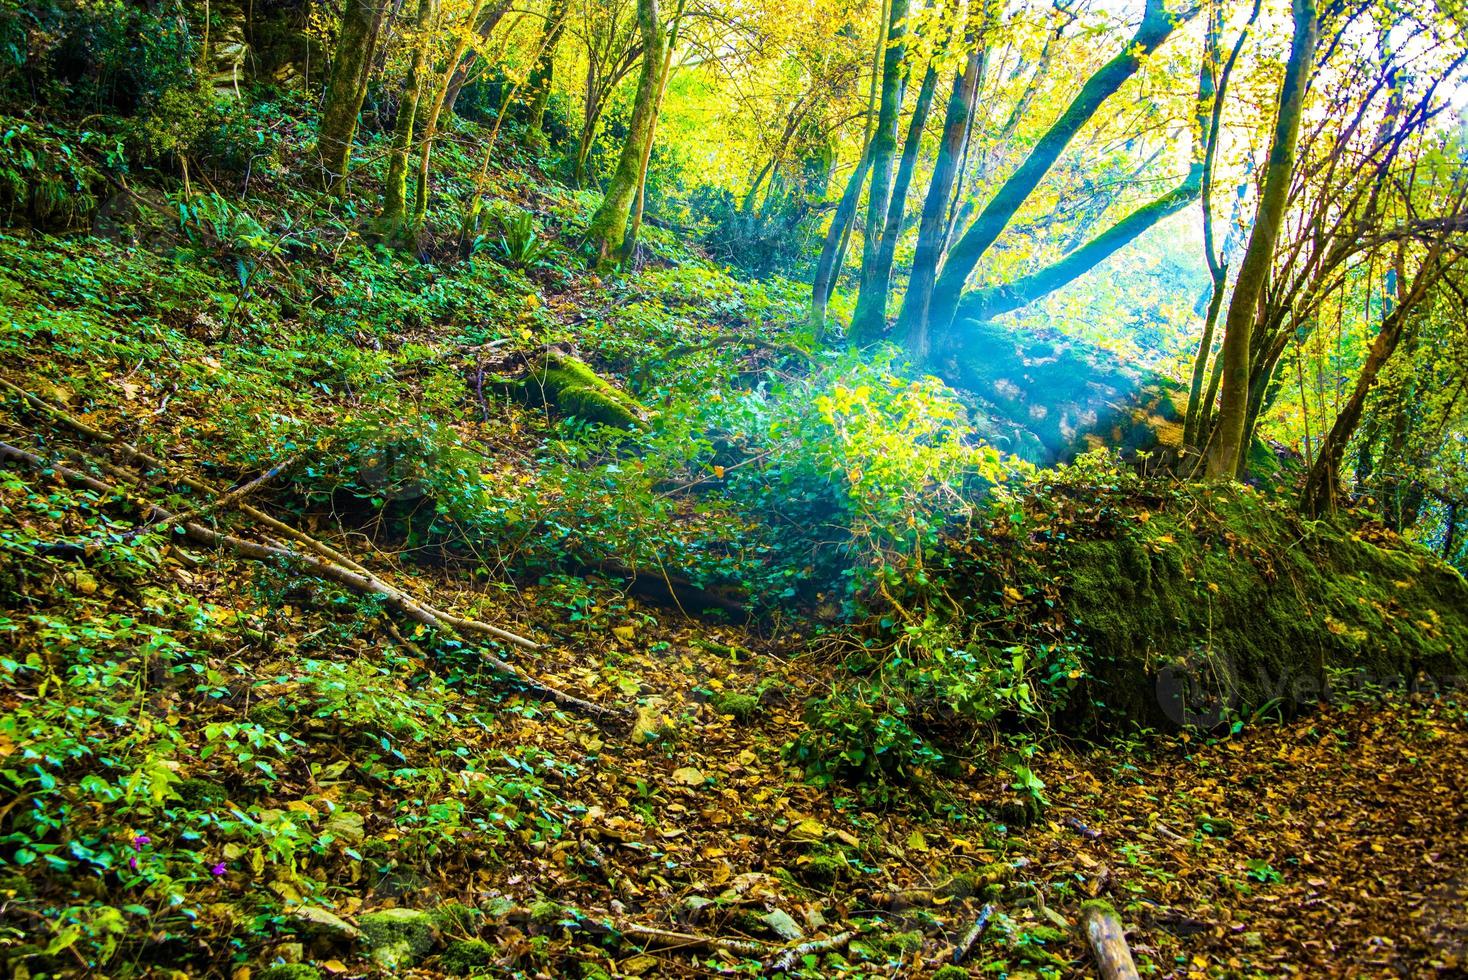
<point>132,862</point>
<point>141,841</point>
<point>218,870</point>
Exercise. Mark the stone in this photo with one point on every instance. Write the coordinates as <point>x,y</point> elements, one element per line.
<point>346,826</point>
<point>398,938</point>
<point>781,924</point>
<point>315,922</point>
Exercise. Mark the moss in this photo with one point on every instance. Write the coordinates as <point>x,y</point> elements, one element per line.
<point>1221,602</point>
<point>570,386</point>
<point>454,916</point>
<point>545,912</point>
<point>1044,934</point>
<point>741,706</point>
<point>464,957</point>
<point>291,971</point>
<point>823,869</point>
<point>903,943</point>
<point>398,937</point>
<point>974,882</point>
<point>951,971</point>
<point>202,793</point>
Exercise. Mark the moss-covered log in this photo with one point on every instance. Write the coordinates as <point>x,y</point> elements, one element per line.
<point>568,384</point>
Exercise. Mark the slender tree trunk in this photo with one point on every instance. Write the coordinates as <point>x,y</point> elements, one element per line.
<point>394,217</point>
<point>1226,449</point>
<point>543,74</point>
<point>884,154</point>
<point>435,109</point>
<point>608,230</point>
<point>488,21</point>
<point>346,89</point>
<point>870,319</point>
<point>1157,24</point>
<point>833,252</point>
<point>912,322</point>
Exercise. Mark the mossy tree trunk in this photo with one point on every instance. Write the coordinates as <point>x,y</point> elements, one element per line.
<point>1157,25</point>
<point>864,325</point>
<point>608,231</point>
<point>870,319</point>
<point>1226,448</point>
<point>346,89</point>
<point>394,218</point>
<point>833,251</point>
<point>912,322</point>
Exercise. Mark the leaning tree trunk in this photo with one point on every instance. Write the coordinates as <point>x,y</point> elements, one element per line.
<point>608,230</point>
<point>634,220</point>
<point>912,322</point>
<point>1157,25</point>
<point>884,152</point>
<point>394,216</point>
<point>833,252</point>
<point>870,319</point>
<point>1226,448</point>
<point>346,89</point>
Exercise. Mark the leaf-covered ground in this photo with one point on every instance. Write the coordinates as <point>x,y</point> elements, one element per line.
<point>219,767</point>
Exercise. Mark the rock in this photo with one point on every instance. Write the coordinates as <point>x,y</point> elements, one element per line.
<point>317,923</point>
<point>398,938</point>
<point>346,826</point>
<point>809,829</point>
<point>569,385</point>
<point>651,722</point>
<point>781,924</point>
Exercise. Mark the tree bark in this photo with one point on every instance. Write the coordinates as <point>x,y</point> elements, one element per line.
<point>870,319</point>
<point>1157,24</point>
<point>884,152</point>
<point>346,89</point>
<point>833,252</point>
<point>1226,449</point>
<point>608,230</point>
<point>912,322</point>
<point>394,216</point>
<point>543,74</point>
<point>435,109</point>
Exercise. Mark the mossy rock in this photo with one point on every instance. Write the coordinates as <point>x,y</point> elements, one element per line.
<point>951,971</point>
<point>466,956</point>
<point>741,706</point>
<point>291,971</point>
<point>398,938</point>
<point>903,943</point>
<point>571,387</point>
<point>823,869</point>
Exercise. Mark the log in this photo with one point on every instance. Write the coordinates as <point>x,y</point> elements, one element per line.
<point>1103,931</point>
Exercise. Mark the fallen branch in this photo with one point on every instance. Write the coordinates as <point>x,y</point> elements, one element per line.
<point>666,937</point>
<point>325,552</point>
<point>321,568</point>
<point>786,960</point>
<point>975,933</point>
<point>1103,931</point>
<point>231,498</point>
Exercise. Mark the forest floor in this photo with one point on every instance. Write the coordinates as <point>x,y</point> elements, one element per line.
<point>232,768</point>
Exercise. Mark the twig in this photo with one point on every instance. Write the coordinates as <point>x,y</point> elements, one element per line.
<point>231,498</point>
<point>322,568</point>
<point>786,960</point>
<point>666,937</point>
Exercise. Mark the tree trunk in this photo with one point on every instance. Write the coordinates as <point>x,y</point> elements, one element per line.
<point>430,123</point>
<point>985,304</point>
<point>608,230</point>
<point>345,91</point>
<point>465,67</point>
<point>634,221</point>
<point>833,252</point>
<point>1226,449</point>
<point>543,74</point>
<point>1157,24</point>
<point>394,217</point>
<point>884,152</point>
<point>870,319</point>
<point>912,322</point>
